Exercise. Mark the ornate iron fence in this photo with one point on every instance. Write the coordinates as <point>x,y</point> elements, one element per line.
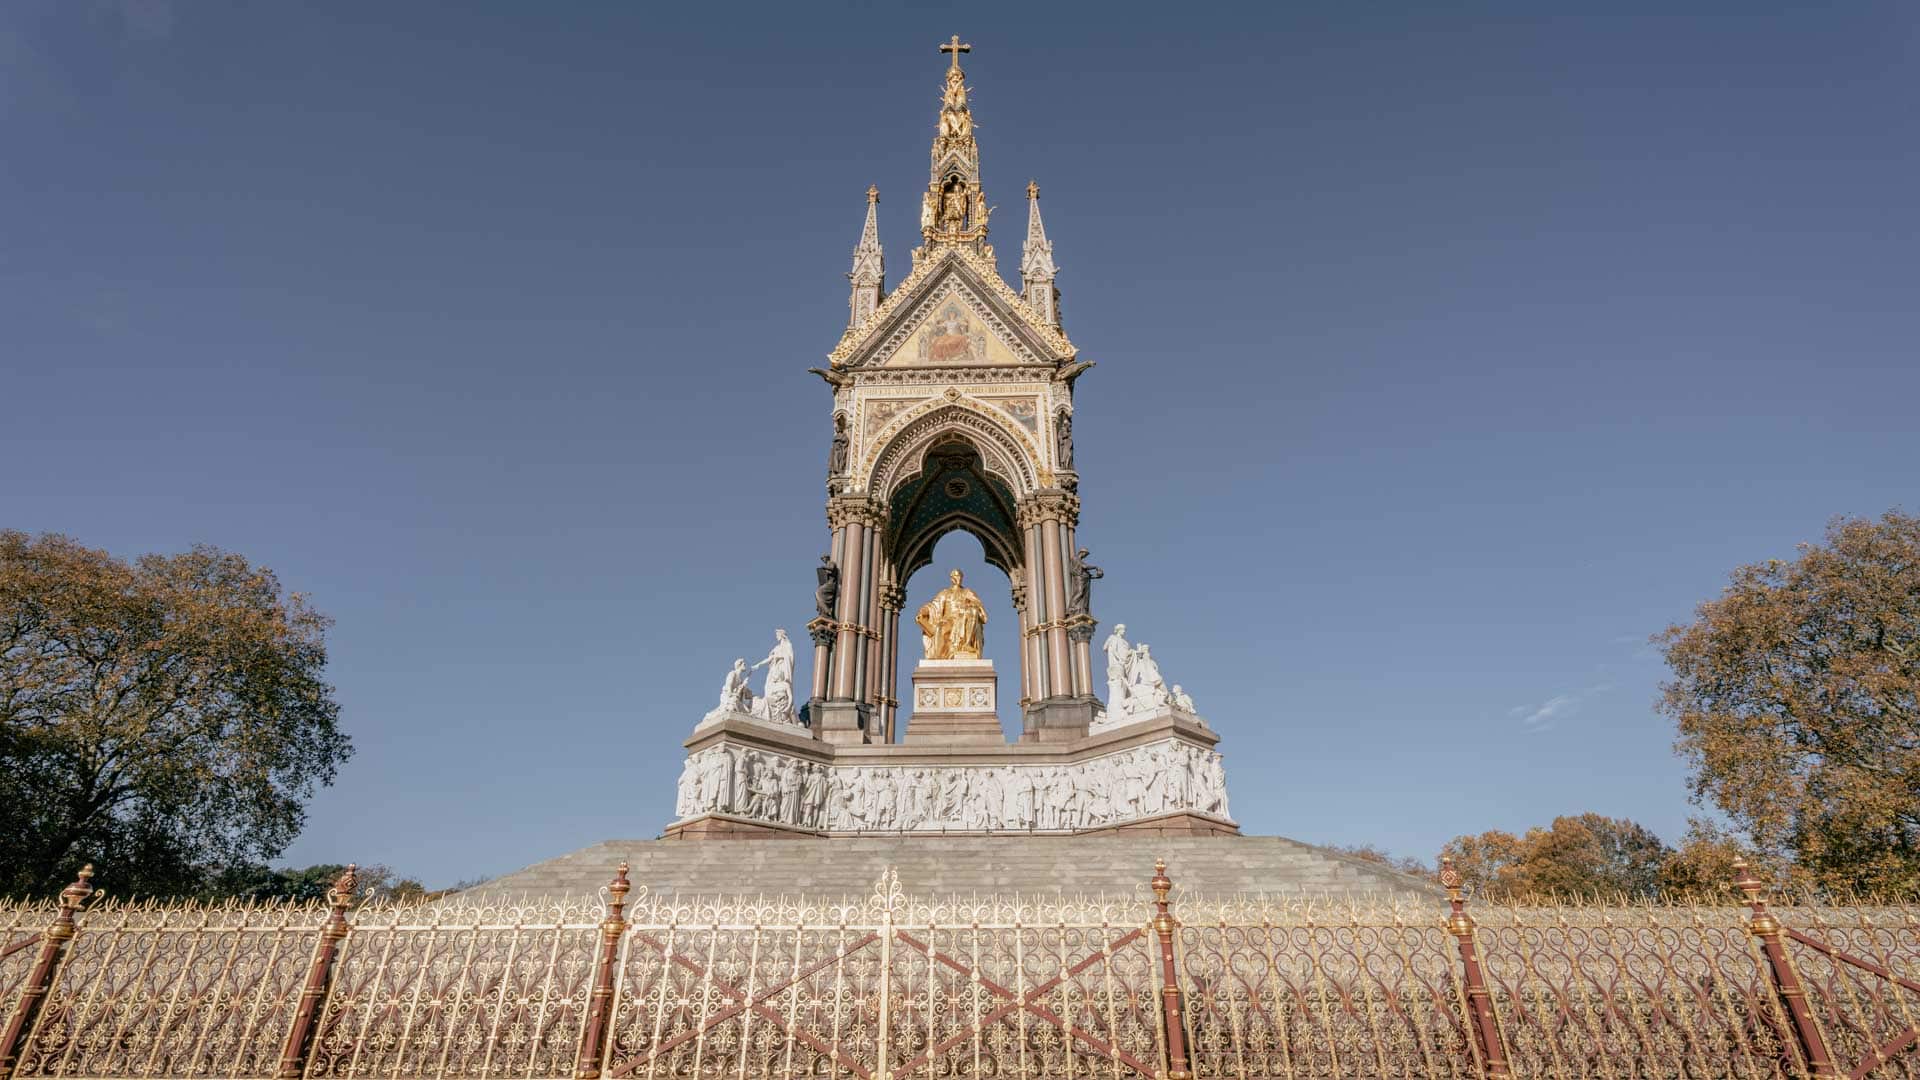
<point>895,986</point>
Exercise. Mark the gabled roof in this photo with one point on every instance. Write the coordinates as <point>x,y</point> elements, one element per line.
<point>875,338</point>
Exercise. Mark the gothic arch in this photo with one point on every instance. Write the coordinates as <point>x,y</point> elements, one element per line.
<point>1005,451</point>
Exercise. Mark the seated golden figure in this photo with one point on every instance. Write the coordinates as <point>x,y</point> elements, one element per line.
<point>953,623</point>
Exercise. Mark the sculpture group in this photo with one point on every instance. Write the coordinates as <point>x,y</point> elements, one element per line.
<point>775,704</point>
<point>1135,687</point>
<point>1134,784</point>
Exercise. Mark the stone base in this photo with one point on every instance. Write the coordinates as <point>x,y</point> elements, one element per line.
<point>1181,823</point>
<point>1160,776</point>
<point>729,827</point>
<point>839,722</point>
<point>1059,720</point>
<point>954,703</point>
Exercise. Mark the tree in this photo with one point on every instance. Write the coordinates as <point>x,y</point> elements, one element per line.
<point>1795,697</point>
<point>1701,868</point>
<point>161,719</point>
<point>1579,855</point>
<point>257,881</point>
<point>1405,864</point>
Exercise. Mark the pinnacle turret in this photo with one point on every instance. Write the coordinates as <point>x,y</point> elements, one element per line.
<point>869,273</point>
<point>954,209</point>
<point>1036,263</point>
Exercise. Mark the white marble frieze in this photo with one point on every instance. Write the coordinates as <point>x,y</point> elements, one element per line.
<point>1144,781</point>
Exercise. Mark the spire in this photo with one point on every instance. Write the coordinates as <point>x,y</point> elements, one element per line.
<point>954,209</point>
<point>1036,263</point>
<point>869,273</point>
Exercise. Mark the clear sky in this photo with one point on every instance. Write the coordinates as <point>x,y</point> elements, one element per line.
<point>1446,352</point>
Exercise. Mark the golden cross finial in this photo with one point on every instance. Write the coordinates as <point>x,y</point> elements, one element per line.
<point>873,194</point>
<point>956,47</point>
<point>1033,190</point>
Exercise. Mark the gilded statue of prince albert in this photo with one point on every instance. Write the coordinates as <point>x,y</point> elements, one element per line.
<point>952,623</point>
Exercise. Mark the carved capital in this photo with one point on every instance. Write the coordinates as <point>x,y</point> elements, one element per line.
<point>893,597</point>
<point>1080,628</point>
<point>1048,506</point>
<point>843,510</point>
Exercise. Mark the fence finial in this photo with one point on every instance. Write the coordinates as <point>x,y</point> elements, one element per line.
<point>340,893</point>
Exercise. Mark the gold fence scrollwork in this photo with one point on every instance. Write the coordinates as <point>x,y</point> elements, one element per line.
<point>1157,986</point>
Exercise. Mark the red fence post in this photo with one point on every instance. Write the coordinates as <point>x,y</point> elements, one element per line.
<point>293,1054</point>
<point>1164,924</point>
<point>53,948</point>
<point>1764,926</point>
<point>1480,1017</point>
<point>593,1039</point>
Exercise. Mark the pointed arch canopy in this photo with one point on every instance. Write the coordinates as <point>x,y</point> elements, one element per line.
<point>1005,452</point>
<point>952,491</point>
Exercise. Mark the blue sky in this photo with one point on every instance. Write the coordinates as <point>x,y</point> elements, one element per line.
<point>1445,354</point>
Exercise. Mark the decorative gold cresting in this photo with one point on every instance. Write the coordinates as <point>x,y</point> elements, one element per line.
<point>955,209</point>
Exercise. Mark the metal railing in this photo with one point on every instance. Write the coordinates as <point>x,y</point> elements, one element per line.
<point>891,985</point>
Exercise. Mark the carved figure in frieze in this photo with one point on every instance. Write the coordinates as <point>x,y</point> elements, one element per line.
<point>813,795</point>
<point>885,807</point>
<point>827,591</point>
<point>720,782</point>
<point>790,792</point>
<point>688,803</point>
<point>1080,577</point>
<point>765,786</point>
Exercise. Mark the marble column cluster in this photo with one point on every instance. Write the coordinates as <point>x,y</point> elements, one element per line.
<point>857,652</point>
<point>1056,658</point>
<point>853,662</point>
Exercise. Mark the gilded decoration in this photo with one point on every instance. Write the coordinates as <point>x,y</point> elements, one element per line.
<point>1006,450</point>
<point>883,332</point>
<point>952,626</point>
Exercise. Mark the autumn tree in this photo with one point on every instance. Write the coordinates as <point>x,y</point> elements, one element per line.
<point>1578,855</point>
<point>162,719</point>
<point>1795,696</point>
<point>1404,864</point>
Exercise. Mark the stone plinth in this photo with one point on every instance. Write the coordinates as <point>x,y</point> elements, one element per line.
<point>742,780</point>
<point>954,704</point>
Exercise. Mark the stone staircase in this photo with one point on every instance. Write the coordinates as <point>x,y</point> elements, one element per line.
<point>959,865</point>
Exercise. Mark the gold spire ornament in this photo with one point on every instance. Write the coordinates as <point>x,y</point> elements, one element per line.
<point>955,209</point>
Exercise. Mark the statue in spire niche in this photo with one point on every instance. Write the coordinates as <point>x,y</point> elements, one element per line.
<point>953,205</point>
<point>953,623</point>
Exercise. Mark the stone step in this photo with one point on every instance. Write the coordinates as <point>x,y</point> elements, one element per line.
<point>1117,865</point>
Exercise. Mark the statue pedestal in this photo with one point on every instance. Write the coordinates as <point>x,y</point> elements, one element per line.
<point>953,703</point>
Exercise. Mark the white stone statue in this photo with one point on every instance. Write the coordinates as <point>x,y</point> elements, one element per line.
<point>1147,691</point>
<point>1119,670</point>
<point>1182,700</point>
<point>776,702</point>
<point>735,695</point>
